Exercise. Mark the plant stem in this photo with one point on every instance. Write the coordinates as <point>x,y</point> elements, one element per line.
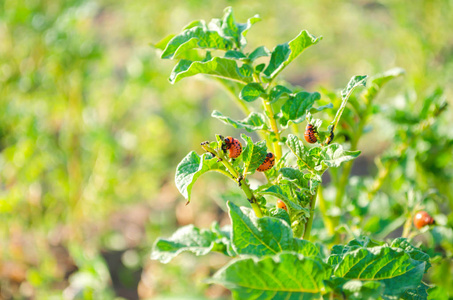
<point>407,226</point>
<point>274,126</point>
<point>323,208</point>
<point>251,197</point>
<point>243,184</point>
<point>343,182</point>
<point>296,129</point>
<point>310,219</point>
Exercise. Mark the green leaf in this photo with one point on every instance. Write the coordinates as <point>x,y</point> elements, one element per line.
<point>296,146</point>
<point>295,108</point>
<point>259,68</point>
<point>284,276</point>
<point>419,293</point>
<point>277,92</point>
<point>254,121</point>
<point>355,81</point>
<point>314,110</point>
<point>304,160</point>
<point>233,54</point>
<point>243,29</point>
<point>285,53</point>
<point>253,154</point>
<point>163,42</point>
<point>219,67</point>
<point>199,36</point>
<point>192,239</point>
<point>283,192</point>
<point>279,213</point>
<point>251,92</point>
<point>380,79</point>
<point>393,267</point>
<point>264,236</point>
<point>294,175</point>
<point>192,167</point>
<point>360,242</point>
<point>355,289</point>
<point>258,52</point>
<point>333,156</point>
<point>237,31</point>
<point>414,252</point>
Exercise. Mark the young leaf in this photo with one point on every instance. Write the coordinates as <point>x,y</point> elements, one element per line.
<point>296,146</point>
<point>258,52</point>
<point>235,55</point>
<point>333,156</point>
<point>253,154</point>
<point>254,121</point>
<point>285,53</point>
<point>355,81</point>
<point>294,175</point>
<point>190,168</point>
<point>380,79</point>
<point>237,31</point>
<point>251,92</point>
<point>163,42</point>
<point>295,108</point>
<point>394,268</point>
<point>277,92</point>
<point>284,276</point>
<point>218,67</point>
<point>192,239</point>
<point>264,236</point>
<point>199,36</point>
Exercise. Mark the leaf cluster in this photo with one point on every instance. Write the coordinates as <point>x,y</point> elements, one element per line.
<point>269,262</point>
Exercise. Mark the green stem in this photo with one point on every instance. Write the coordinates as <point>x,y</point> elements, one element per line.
<point>225,173</point>
<point>323,209</point>
<point>342,183</point>
<point>344,101</point>
<point>274,127</point>
<point>310,219</point>
<point>296,129</point>
<point>244,185</point>
<point>407,227</point>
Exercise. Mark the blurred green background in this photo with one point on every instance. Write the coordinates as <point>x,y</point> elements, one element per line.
<point>91,130</point>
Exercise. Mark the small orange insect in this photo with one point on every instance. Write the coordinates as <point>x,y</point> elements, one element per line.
<point>268,163</point>
<point>422,218</point>
<point>233,145</point>
<point>310,134</point>
<point>281,204</point>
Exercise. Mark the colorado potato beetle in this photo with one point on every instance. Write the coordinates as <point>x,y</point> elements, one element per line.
<point>310,134</point>
<point>268,163</point>
<point>233,145</point>
<point>281,204</point>
<point>422,218</point>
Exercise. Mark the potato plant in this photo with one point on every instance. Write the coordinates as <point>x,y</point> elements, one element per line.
<point>273,252</point>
